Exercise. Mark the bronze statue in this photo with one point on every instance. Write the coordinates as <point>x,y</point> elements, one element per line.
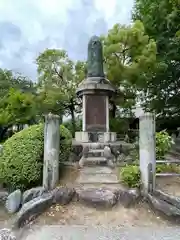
<point>95,58</point>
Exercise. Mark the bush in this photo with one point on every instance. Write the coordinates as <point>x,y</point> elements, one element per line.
<point>22,159</point>
<point>130,175</point>
<point>65,143</point>
<point>163,144</point>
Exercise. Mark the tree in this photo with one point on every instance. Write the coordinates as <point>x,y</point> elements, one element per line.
<point>18,108</point>
<point>10,80</point>
<point>161,20</point>
<point>58,79</point>
<point>130,57</point>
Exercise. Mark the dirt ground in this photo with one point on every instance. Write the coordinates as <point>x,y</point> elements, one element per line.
<point>77,214</point>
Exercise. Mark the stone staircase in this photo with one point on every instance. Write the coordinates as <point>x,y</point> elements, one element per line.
<point>95,170</point>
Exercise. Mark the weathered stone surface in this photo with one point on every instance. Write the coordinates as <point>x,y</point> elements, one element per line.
<point>102,178</point>
<point>81,162</point>
<point>129,159</point>
<point>110,163</point>
<point>32,209</point>
<point>63,195</point>
<point>32,193</point>
<point>107,152</point>
<point>98,197</point>
<point>95,58</point>
<point>121,157</point>
<point>128,197</point>
<point>3,196</point>
<point>97,170</point>
<point>164,208</point>
<point>7,234</point>
<point>85,151</point>
<point>13,201</point>
<point>168,198</point>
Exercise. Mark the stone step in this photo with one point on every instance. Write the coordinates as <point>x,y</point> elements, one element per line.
<point>98,178</point>
<point>97,170</point>
<point>95,153</point>
<point>95,161</point>
<point>96,150</point>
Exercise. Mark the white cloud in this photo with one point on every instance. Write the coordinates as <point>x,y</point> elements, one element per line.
<point>29,26</point>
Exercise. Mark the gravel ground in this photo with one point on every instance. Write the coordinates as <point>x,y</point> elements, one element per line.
<point>57,232</point>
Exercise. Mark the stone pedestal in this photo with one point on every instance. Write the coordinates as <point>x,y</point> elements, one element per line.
<point>102,137</point>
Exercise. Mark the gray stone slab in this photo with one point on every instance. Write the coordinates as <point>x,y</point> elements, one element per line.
<point>97,170</point>
<point>95,159</point>
<point>97,178</point>
<point>96,150</point>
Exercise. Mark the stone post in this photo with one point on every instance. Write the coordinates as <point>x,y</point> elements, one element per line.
<point>147,151</point>
<point>51,151</point>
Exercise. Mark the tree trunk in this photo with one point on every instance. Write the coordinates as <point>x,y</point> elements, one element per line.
<point>73,118</point>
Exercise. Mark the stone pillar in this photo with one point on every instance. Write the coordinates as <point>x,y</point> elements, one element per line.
<point>84,113</point>
<point>147,151</point>
<point>107,114</point>
<point>51,151</point>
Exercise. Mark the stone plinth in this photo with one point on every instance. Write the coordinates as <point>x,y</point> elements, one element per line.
<point>102,137</point>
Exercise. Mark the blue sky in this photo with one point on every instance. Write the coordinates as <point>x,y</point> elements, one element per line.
<point>28,27</point>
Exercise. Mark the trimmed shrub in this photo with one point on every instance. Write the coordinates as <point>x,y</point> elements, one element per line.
<point>22,159</point>
<point>130,175</point>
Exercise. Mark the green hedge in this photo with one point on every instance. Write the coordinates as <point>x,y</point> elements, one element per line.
<point>22,159</point>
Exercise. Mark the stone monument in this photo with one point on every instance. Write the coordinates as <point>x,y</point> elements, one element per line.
<point>95,92</point>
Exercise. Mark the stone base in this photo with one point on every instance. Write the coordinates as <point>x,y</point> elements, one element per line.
<point>102,137</point>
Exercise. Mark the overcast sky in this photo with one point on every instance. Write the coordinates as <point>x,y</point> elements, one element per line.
<point>27,27</point>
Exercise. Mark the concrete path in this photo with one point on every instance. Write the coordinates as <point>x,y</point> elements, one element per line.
<point>56,232</point>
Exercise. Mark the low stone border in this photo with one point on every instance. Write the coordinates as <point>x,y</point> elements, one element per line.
<point>35,201</point>
<point>166,205</point>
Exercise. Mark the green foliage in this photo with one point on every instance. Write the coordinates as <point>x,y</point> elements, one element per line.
<point>69,125</point>
<point>58,79</point>
<point>65,143</point>
<point>167,168</point>
<point>17,108</point>
<point>161,21</point>
<point>163,144</point>
<point>130,57</point>
<point>130,175</point>
<point>118,125</point>
<point>22,159</point>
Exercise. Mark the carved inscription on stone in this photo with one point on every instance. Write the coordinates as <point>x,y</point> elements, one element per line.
<point>95,113</point>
